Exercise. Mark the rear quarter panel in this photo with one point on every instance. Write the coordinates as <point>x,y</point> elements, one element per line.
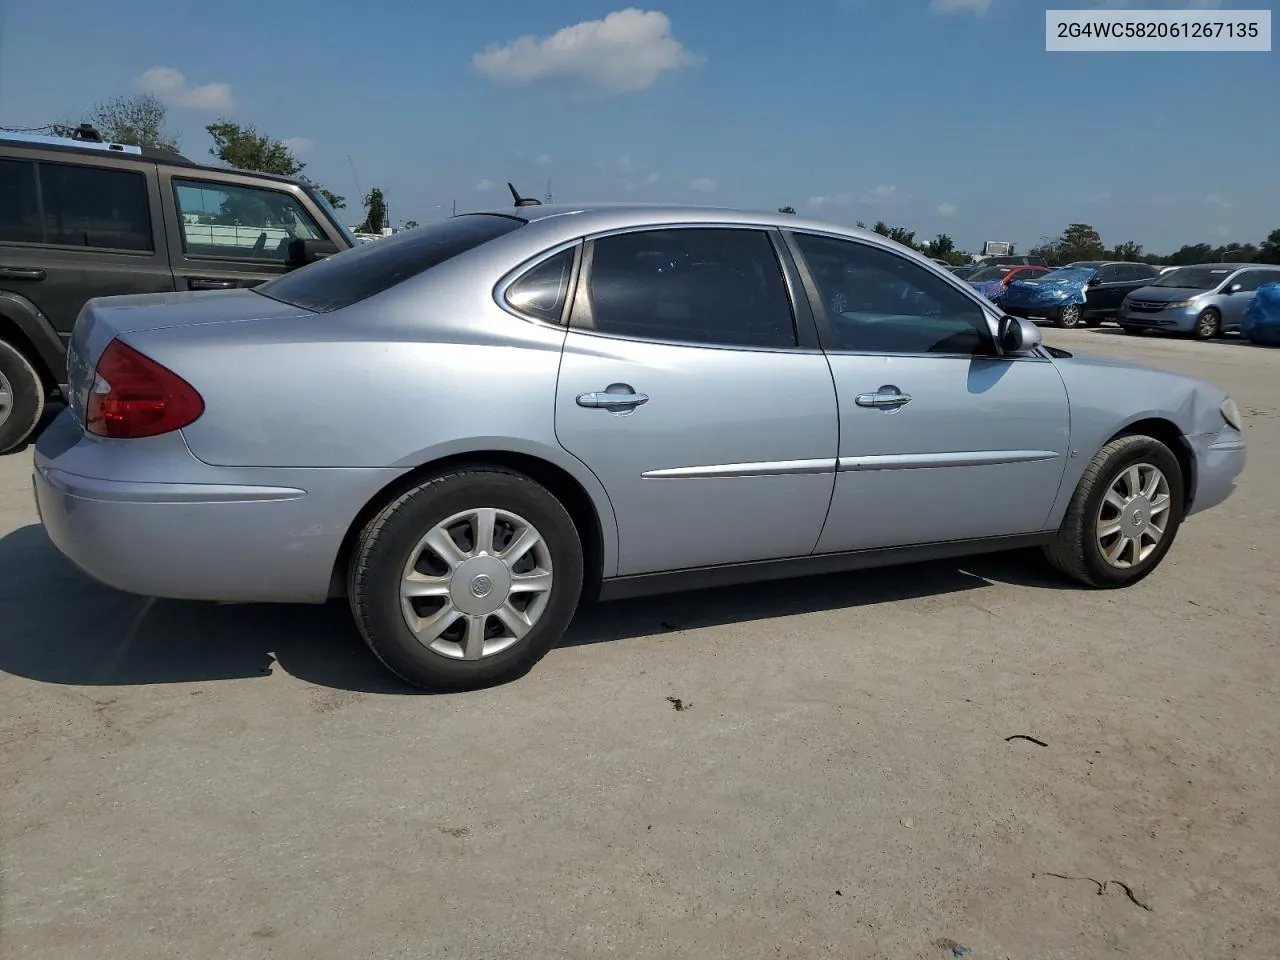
<point>1109,396</point>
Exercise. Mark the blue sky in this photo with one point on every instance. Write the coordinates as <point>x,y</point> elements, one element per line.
<point>940,115</point>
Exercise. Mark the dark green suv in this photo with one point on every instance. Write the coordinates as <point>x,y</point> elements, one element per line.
<point>80,218</point>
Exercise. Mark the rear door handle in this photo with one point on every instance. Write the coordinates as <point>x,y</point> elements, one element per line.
<point>21,273</point>
<point>210,283</point>
<point>606,399</point>
<point>887,397</point>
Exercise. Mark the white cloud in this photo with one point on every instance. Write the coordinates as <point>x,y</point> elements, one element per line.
<point>626,51</point>
<point>1218,200</point>
<point>947,209</point>
<point>652,177</point>
<point>542,159</point>
<point>169,85</point>
<point>298,145</point>
<point>976,7</point>
<point>881,194</point>
<point>703,185</point>
<point>831,200</point>
<point>485,184</point>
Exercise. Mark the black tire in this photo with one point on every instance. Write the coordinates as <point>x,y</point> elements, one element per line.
<point>24,393</point>
<point>1076,552</point>
<point>1069,317</point>
<point>384,546</point>
<point>1208,324</point>
<point>1093,322</point>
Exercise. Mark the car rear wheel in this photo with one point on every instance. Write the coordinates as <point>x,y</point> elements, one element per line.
<point>1069,316</point>
<point>1208,324</point>
<point>1123,516</point>
<point>21,398</point>
<point>467,580</point>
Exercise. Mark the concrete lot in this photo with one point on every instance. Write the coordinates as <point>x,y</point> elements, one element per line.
<point>182,780</point>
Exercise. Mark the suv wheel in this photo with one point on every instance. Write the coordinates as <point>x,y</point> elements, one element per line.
<point>21,398</point>
<point>467,580</point>
<point>1208,324</point>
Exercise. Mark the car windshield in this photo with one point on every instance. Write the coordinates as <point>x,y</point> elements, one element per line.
<point>1073,274</point>
<point>1195,278</point>
<point>989,273</point>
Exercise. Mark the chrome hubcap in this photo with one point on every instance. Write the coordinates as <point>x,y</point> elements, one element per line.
<point>1134,515</point>
<point>6,398</point>
<point>1207,325</point>
<point>1070,315</point>
<point>476,584</point>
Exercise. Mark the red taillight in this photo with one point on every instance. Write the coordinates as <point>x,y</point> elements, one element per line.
<point>133,396</point>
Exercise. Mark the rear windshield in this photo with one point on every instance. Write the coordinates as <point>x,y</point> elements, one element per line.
<point>356,274</point>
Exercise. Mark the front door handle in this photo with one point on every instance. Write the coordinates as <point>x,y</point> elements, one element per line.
<point>21,273</point>
<point>210,283</point>
<point>607,399</point>
<point>886,398</point>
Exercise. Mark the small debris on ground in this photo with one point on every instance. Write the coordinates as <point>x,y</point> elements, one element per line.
<point>907,822</point>
<point>1102,887</point>
<point>1023,736</point>
<point>679,704</point>
<point>942,943</point>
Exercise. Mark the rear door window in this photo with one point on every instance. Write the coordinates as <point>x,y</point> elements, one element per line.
<point>19,203</point>
<point>371,268</point>
<point>97,207</point>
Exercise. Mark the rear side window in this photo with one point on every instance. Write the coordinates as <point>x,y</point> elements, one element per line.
<point>19,205</point>
<point>95,207</point>
<point>357,274</point>
<point>542,292</point>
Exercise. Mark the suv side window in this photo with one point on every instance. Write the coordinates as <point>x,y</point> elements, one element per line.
<point>697,285</point>
<point>19,204</point>
<point>226,221</point>
<point>1109,273</point>
<point>95,207</point>
<point>876,301</point>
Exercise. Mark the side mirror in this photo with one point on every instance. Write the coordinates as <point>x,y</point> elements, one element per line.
<point>1018,335</point>
<point>1234,288</point>
<point>301,252</point>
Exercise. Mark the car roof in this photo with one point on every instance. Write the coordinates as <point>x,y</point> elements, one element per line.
<point>147,155</point>
<point>601,217</point>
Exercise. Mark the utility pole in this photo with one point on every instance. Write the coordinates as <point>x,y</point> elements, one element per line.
<point>455,208</point>
<point>548,189</point>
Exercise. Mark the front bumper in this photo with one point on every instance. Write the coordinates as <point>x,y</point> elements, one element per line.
<point>167,525</point>
<point>1220,459</point>
<point>1180,319</point>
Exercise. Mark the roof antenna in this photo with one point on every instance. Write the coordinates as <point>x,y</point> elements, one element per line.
<point>522,201</point>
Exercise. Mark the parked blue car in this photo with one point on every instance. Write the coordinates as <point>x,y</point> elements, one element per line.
<point>1205,300</point>
<point>1087,291</point>
<point>1261,323</point>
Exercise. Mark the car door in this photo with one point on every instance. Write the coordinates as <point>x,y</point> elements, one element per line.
<point>232,231</point>
<point>1106,290</point>
<point>685,387</point>
<point>1233,305</point>
<point>941,438</point>
<point>80,229</point>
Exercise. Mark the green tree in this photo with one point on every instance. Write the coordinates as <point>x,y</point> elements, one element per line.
<point>243,147</point>
<point>940,246</point>
<point>1269,252</point>
<point>1128,250</point>
<point>1080,242</point>
<point>787,209</point>
<point>138,120</point>
<point>375,217</point>
<point>410,224</point>
<point>1190,253</point>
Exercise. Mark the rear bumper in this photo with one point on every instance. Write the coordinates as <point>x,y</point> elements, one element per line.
<point>1220,459</point>
<point>261,535</point>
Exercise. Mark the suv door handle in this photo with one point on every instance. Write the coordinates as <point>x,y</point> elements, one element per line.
<point>21,273</point>
<point>209,283</point>
<point>887,397</point>
<point>606,399</point>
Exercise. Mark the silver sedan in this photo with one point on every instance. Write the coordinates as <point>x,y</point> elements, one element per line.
<point>469,428</point>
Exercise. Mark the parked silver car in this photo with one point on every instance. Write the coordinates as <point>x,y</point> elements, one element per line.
<point>469,427</point>
<point>1205,300</point>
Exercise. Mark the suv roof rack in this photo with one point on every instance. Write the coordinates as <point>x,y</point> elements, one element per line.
<point>85,137</point>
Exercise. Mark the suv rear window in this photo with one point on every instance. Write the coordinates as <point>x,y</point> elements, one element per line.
<point>357,274</point>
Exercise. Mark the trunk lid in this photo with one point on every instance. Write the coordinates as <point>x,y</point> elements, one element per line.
<point>105,318</point>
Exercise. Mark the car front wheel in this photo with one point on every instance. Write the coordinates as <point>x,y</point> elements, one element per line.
<point>1123,516</point>
<point>467,580</point>
<point>1070,316</point>
<point>1208,324</point>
